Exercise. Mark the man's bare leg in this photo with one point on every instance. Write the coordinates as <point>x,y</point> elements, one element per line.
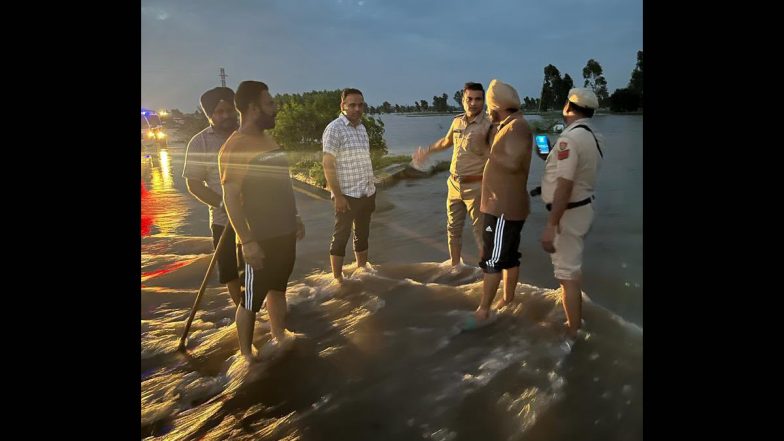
<point>276,308</point>
<point>454,253</point>
<point>361,257</point>
<point>489,288</point>
<point>337,267</point>
<point>245,321</point>
<point>573,305</point>
<point>235,291</point>
<point>511,276</point>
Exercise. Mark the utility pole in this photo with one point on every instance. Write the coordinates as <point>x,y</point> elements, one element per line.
<point>222,77</point>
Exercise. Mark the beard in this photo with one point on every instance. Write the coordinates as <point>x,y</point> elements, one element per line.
<point>228,125</point>
<point>264,122</point>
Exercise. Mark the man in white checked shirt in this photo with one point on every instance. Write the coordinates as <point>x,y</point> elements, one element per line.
<point>349,174</point>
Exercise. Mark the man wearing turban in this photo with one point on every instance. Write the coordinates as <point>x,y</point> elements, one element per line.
<point>203,179</point>
<point>504,203</point>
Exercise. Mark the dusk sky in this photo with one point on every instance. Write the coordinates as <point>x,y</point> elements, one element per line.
<point>399,51</point>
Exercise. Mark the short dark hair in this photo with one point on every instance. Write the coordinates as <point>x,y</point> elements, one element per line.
<point>247,93</point>
<point>348,91</point>
<point>584,111</point>
<point>474,86</point>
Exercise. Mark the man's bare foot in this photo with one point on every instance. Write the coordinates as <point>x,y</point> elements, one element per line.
<point>279,344</point>
<point>572,333</point>
<point>503,303</point>
<point>481,314</point>
<point>285,338</point>
<point>455,268</point>
<point>254,356</point>
<point>366,267</point>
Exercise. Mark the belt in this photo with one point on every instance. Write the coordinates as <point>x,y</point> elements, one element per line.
<point>585,201</point>
<point>467,179</point>
<point>361,196</point>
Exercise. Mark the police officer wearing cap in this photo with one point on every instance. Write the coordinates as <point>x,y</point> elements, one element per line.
<point>568,189</point>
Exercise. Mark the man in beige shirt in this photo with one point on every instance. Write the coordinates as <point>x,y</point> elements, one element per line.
<point>469,133</point>
<point>567,189</point>
<point>505,203</point>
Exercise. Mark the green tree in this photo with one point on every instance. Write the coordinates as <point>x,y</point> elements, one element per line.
<point>546,98</point>
<point>386,107</point>
<point>193,123</point>
<point>375,131</point>
<point>592,72</point>
<point>530,103</point>
<point>423,105</point>
<point>635,83</point>
<point>459,98</point>
<point>624,100</point>
<point>440,103</point>
<point>550,87</point>
<point>562,93</point>
<point>301,120</point>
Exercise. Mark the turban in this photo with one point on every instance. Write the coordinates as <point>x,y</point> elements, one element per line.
<point>502,96</point>
<point>210,99</point>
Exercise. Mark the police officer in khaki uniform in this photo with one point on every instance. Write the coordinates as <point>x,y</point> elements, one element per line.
<point>470,135</point>
<point>568,188</point>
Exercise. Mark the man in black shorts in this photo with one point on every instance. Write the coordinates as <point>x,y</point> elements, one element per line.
<point>260,203</point>
<point>505,203</point>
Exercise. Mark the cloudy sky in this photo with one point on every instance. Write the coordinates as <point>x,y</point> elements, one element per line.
<point>399,51</point>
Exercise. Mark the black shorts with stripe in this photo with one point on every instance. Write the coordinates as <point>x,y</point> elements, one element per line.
<point>500,241</point>
<point>279,255</point>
